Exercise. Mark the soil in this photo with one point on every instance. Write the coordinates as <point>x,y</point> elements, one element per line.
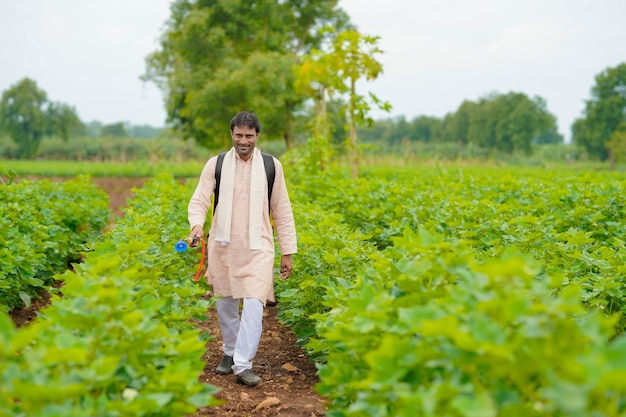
<point>288,377</point>
<point>119,191</point>
<point>22,317</point>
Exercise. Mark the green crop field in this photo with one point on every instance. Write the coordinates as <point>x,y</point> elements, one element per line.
<point>54,168</point>
<point>470,292</point>
<point>420,291</point>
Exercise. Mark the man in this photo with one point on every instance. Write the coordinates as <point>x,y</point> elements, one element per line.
<point>241,242</point>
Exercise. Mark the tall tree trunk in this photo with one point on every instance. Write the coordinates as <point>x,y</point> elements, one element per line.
<point>287,137</point>
<point>321,134</point>
<point>354,151</point>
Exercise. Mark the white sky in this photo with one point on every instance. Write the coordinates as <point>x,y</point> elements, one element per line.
<point>90,54</point>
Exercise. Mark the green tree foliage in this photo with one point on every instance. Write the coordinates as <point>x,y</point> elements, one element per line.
<point>500,122</point>
<point>95,129</point>
<point>27,116</point>
<point>398,130</point>
<point>426,128</point>
<point>352,56</point>
<point>318,79</point>
<point>63,120</point>
<point>143,131</point>
<point>509,122</point>
<point>218,57</point>
<point>603,113</point>
<point>114,130</point>
<point>22,111</point>
<point>457,124</point>
<point>617,144</point>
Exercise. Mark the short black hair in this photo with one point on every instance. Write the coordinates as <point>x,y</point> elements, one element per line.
<point>245,119</point>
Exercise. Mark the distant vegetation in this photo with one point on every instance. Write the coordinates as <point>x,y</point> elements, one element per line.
<point>27,116</point>
<point>505,123</point>
<point>95,129</point>
<point>107,148</point>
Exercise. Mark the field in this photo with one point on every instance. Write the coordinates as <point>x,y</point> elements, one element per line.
<point>418,291</point>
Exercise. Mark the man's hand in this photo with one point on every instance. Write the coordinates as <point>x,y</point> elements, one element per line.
<point>196,231</point>
<point>286,266</point>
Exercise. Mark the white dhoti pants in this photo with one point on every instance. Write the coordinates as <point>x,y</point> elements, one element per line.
<point>241,336</point>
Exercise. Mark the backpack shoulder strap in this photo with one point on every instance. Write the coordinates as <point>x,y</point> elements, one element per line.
<point>218,176</point>
<point>270,172</point>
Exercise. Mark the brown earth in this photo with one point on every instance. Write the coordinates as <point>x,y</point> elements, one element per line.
<point>288,377</point>
<point>23,316</point>
<point>119,191</point>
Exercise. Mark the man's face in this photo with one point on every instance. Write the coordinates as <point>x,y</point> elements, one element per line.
<point>244,141</point>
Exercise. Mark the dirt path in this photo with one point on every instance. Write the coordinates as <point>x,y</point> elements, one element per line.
<point>287,376</point>
<point>119,191</point>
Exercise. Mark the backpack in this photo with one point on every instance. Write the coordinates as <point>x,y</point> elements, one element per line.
<point>270,172</point>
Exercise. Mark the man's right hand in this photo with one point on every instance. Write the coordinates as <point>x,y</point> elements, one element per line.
<point>196,231</point>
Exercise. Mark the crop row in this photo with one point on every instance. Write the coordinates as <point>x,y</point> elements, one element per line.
<point>45,226</point>
<point>119,341</point>
<point>487,293</point>
<point>573,223</point>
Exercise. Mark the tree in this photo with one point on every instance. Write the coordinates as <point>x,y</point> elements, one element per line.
<point>550,135</point>
<point>352,56</point>
<point>27,117</point>
<point>500,122</point>
<point>62,120</point>
<point>456,125</point>
<point>94,129</point>
<point>603,114</point>
<point>114,130</point>
<point>519,121</point>
<point>218,57</point>
<point>390,131</point>
<point>144,131</point>
<point>617,144</point>
<point>426,128</point>
<point>503,122</point>
<point>317,78</point>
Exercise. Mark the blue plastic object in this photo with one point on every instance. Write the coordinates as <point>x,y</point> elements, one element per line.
<point>181,246</point>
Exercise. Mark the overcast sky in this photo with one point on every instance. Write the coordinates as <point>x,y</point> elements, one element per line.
<point>90,54</point>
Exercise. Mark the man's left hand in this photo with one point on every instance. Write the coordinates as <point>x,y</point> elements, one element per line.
<point>286,266</point>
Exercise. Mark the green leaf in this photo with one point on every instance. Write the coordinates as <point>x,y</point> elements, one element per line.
<point>25,298</point>
<point>161,399</point>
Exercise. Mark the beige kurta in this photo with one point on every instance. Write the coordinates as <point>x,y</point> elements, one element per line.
<point>234,269</point>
